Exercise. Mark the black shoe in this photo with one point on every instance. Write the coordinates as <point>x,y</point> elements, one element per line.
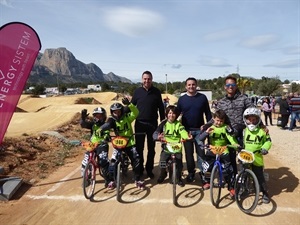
<point>150,175</point>
<point>161,178</point>
<point>266,198</point>
<point>180,183</point>
<point>190,178</point>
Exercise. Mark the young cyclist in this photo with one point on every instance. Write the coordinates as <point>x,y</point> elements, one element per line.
<point>120,121</point>
<point>170,130</point>
<point>255,138</point>
<point>219,134</point>
<point>99,118</point>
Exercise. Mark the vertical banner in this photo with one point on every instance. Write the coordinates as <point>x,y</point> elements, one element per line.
<point>19,47</point>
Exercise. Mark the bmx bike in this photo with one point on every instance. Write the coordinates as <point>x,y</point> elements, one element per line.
<point>89,173</point>
<point>217,176</point>
<point>119,144</point>
<point>246,184</point>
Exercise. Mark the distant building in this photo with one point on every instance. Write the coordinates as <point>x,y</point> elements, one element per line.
<point>94,87</point>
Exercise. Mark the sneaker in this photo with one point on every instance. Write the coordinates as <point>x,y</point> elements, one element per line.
<point>140,185</point>
<point>232,193</point>
<point>180,183</point>
<point>161,178</point>
<point>190,178</point>
<point>265,198</point>
<point>111,185</point>
<point>206,186</point>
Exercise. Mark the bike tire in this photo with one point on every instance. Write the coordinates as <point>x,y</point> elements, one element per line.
<point>216,185</point>
<point>246,191</point>
<point>174,181</point>
<point>118,181</point>
<point>89,180</point>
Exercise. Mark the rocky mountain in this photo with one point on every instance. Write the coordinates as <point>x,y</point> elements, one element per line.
<point>60,65</point>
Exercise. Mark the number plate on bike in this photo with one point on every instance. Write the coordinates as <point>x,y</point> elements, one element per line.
<point>119,142</point>
<point>89,146</point>
<point>246,156</point>
<point>174,147</point>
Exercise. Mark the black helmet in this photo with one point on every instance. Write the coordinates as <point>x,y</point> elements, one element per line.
<point>116,106</point>
<point>99,110</point>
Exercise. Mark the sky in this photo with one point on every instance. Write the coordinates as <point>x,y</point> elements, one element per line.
<point>174,39</point>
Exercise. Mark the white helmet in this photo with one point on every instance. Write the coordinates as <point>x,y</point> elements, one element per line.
<point>252,111</point>
<point>99,110</point>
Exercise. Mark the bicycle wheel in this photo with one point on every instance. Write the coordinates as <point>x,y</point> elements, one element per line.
<point>215,185</point>
<point>118,181</point>
<point>247,191</point>
<point>89,180</point>
<point>174,180</point>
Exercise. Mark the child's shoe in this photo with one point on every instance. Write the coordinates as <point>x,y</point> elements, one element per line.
<point>140,185</point>
<point>111,185</point>
<point>180,182</point>
<point>206,186</point>
<point>232,193</point>
<point>266,198</point>
<point>161,177</point>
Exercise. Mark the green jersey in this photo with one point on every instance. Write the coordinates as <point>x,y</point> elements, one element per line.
<point>257,140</point>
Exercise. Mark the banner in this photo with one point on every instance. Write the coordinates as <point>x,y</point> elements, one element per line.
<point>19,47</point>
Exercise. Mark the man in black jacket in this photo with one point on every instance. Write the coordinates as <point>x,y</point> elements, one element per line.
<point>148,101</point>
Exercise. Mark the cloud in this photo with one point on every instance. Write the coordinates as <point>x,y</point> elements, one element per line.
<point>133,22</point>
<point>292,63</point>
<point>261,42</point>
<point>214,62</point>
<point>6,3</point>
<point>221,35</point>
<point>173,66</point>
<point>291,50</point>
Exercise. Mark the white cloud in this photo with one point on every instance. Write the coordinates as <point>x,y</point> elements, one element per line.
<point>214,62</point>
<point>6,3</point>
<point>291,63</point>
<point>261,42</point>
<point>133,22</point>
<point>221,35</point>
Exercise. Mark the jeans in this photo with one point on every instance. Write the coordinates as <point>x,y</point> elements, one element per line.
<point>294,116</point>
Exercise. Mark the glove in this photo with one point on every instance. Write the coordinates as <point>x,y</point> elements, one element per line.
<point>264,151</point>
<point>125,101</point>
<point>99,133</point>
<point>84,114</point>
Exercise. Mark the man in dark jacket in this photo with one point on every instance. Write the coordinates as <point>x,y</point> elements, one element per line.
<point>148,101</point>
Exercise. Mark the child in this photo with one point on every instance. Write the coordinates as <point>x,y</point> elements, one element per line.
<point>99,118</point>
<point>219,134</point>
<point>120,121</point>
<point>170,130</point>
<point>255,138</point>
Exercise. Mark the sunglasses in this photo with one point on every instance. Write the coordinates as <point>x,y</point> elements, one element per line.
<point>230,85</point>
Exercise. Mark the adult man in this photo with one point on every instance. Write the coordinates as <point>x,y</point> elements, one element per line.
<point>294,104</point>
<point>193,106</point>
<point>234,104</point>
<point>148,101</point>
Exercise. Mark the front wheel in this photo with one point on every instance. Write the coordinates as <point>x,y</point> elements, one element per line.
<point>246,191</point>
<point>89,180</point>
<point>215,185</point>
<point>174,181</point>
<point>118,181</point>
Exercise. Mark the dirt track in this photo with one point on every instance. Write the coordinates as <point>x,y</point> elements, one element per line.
<point>59,199</point>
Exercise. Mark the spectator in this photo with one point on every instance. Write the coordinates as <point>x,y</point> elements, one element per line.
<point>294,105</point>
<point>284,111</point>
<point>267,110</point>
<point>148,101</point>
<point>193,106</point>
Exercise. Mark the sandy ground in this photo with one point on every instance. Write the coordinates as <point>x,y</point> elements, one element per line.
<point>59,199</point>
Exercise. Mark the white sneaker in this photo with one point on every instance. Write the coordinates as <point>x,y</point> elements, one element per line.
<point>111,185</point>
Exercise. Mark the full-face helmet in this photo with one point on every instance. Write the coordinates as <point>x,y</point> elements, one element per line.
<point>114,107</point>
<point>252,111</point>
<point>97,111</point>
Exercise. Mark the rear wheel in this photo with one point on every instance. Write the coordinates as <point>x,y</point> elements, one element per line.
<point>118,181</point>
<point>215,185</point>
<point>89,180</point>
<point>246,191</point>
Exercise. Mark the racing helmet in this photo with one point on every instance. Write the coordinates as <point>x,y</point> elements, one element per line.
<point>114,107</point>
<point>252,111</point>
<point>99,110</point>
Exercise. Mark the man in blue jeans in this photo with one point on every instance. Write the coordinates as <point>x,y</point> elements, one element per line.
<point>294,104</point>
<point>193,106</point>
